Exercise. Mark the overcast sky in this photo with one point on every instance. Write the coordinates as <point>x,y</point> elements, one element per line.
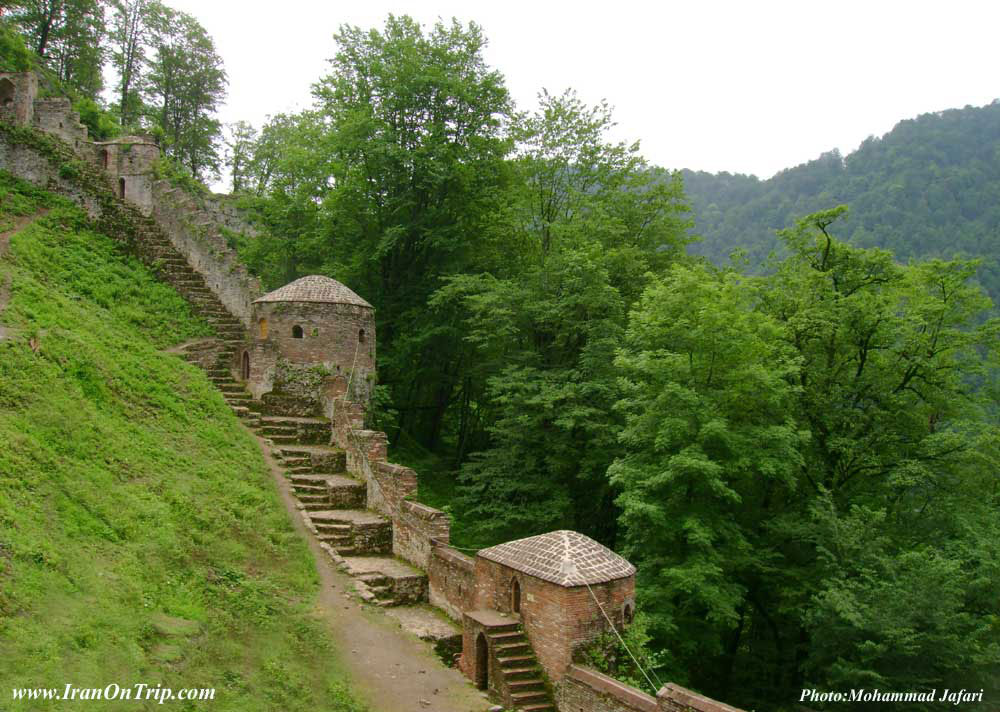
<point>748,87</point>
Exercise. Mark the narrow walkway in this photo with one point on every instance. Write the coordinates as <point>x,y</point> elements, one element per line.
<point>391,670</point>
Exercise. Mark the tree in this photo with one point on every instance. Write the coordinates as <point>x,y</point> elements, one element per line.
<point>799,448</point>
<point>185,84</point>
<point>416,147</point>
<point>129,34</point>
<point>69,37</point>
<point>590,222</point>
<point>242,138</point>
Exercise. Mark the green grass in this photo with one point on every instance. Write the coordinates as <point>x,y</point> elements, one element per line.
<point>131,497</point>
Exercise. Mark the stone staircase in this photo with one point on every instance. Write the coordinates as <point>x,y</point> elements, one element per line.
<point>520,674</point>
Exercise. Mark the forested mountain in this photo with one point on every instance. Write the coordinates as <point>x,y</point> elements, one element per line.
<point>928,188</point>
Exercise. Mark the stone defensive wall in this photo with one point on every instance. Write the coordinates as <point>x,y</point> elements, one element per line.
<point>421,537</point>
<point>195,227</point>
<point>420,534</point>
<point>66,161</point>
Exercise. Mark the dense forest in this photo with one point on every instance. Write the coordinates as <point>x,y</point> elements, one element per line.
<point>928,188</point>
<point>801,461</point>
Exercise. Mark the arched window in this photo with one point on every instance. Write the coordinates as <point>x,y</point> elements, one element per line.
<point>6,92</point>
<point>628,614</point>
<point>515,596</point>
<point>296,332</point>
<point>105,159</point>
<point>121,187</point>
<point>262,326</point>
<point>245,366</point>
<point>361,336</point>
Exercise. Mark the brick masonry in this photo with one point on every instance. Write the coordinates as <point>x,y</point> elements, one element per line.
<point>308,349</point>
<point>452,578</point>
<point>584,689</point>
<point>339,339</point>
<point>558,620</point>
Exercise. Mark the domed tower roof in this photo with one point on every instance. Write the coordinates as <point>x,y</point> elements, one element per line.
<point>315,288</point>
<point>564,557</point>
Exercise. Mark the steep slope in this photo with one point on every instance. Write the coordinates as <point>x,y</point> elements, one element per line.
<point>141,539</point>
<point>928,188</point>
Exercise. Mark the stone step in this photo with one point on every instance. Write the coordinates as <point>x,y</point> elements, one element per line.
<point>541,707</point>
<point>528,684</point>
<point>516,660</point>
<point>316,506</point>
<point>519,673</point>
<point>309,489</point>
<point>508,649</point>
<point>333,529</point>
<point>507,636</point>
<point>529,697</point>
<point>275,429</point>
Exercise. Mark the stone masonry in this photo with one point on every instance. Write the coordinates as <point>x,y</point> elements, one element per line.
<point>297,365</point>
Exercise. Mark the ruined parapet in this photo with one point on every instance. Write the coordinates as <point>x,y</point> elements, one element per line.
<point>195,234</point>
<point>17,97</point>
<point>129,162</point>
<point>57,117</point>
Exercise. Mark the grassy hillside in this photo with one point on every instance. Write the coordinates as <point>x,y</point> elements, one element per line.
<point>928,188</point>
<point>131,497</point>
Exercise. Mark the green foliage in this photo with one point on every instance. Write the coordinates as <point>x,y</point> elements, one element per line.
<point>169,168</point>
<point>589,224</point>
<point>608,655</point>
<point>67,36</point>
<point>185,83</point>
<point>128,491</point>
<point>927,189</point>
<point>807,489</point>
<point>100,123</point>
<point>14,55</point>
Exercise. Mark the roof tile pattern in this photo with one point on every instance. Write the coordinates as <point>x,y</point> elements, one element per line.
<point>564,557</point>
<point>315,288</point>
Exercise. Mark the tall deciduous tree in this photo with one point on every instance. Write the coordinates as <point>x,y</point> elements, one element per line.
<point>589,223</point>
<point>185,84</point>
<point>809,488</point>
<point>417,147</point>
<point>69,37</point>
<point>129,35</point>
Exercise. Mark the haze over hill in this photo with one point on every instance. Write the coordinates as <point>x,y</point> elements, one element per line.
<point>928,188</point>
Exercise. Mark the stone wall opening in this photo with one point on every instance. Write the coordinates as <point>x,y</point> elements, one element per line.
<point>245,366</point>
<point>105,158</point>
<point>482,663</point>
<point>262,328</point>
<point>361,336</point>
<point>515,597</point>
<point>121,188</point>
<point>296,332</point>
<point>7,91</point>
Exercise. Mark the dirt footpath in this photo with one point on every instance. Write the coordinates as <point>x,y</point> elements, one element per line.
<point>389,669</point>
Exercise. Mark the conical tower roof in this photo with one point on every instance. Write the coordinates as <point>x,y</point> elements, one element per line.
<point>315,288</point>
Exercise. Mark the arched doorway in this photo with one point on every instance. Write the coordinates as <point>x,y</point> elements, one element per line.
<point>121,187</point>
<point>482,663</point>
<point>105,159</point>
<point>515,596</point>
<point>245,366</point>
<point>7,91</point>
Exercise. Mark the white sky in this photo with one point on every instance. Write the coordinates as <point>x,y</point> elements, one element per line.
<point>748,86</point>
